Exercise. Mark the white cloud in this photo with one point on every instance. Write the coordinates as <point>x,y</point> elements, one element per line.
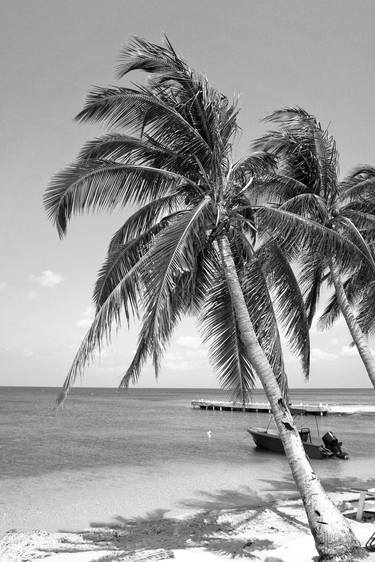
<point>321,355</point>
<point>3,285</point>
<point>191,342</point>
<point>180,365</point>
<point>48,278</point>
<point>86,318</point>
<point>197,353</point>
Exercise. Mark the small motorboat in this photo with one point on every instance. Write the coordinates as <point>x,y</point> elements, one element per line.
<point>330,448</point>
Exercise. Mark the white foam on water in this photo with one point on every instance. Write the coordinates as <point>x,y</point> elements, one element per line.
<point>352,409</point>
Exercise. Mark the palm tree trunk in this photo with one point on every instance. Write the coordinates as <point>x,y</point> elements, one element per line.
<point>333,536</point>
<point>354,328</point>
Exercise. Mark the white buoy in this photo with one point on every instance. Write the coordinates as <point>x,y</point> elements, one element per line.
<point>209,433</point>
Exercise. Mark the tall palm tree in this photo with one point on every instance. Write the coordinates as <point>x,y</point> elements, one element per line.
<point>309,186</point>
<point>190,245</point>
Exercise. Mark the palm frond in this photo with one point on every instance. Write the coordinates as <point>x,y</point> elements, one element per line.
<point>263,317</point>
<point>151,342</point>
<point>258,163</point>
<point>312,268</point>
<point>142,111</point>
<point>174,251</point>
<point>96,185</point>
<point>351,232</point>
<point>308,205</point>
<point>108,315</point>
<point>366,310</point>
<point>358,174</point>
<point>228,353</point>
<point>190,292</point>
<point>359,189</point>
<point>289,115</point>
<point>132,150</point>
<point>276,189</point>
<point>290,307</point>
<point>173,75</point>
<point>147,218</point>
<point>330,314</point>
<point>305,150</point>
<point>353,287</point>
<point>121,259</point>
<point>363,221</point>
<point>140,54</point>
<point>295,233</point>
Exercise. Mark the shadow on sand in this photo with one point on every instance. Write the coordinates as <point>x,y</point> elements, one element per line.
<point>204,529</point>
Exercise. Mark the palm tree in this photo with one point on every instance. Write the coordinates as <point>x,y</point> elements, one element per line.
<point>190,245</point>
<point>309,186</point>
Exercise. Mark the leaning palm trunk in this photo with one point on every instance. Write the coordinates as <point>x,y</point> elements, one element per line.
<point>354,328</point>
<point>333,536</point>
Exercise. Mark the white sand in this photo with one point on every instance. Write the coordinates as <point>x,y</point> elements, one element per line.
<point>274,533</point>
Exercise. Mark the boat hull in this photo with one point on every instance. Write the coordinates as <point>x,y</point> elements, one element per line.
<point>272,442</point>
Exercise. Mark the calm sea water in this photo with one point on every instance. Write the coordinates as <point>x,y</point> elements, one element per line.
<point>146,448</point>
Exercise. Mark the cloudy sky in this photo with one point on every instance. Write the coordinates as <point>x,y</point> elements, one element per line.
<point>318,55</point>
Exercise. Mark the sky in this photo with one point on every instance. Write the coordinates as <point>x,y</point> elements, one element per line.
<point>270,53</point>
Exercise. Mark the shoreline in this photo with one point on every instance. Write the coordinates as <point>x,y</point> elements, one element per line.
<point>274,531</point>
<point>74,500</point>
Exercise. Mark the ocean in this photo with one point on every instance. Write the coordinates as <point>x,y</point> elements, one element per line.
<point>121,454</point>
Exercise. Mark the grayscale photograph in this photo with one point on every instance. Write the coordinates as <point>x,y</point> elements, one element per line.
<point>187,290</point>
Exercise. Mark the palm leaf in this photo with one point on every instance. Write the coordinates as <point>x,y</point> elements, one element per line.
<point>173,252</point>
<point>121,259</point>
<point>312,267</point>
<point>351,286</point>
<point>366,310</point>
<point>351,232</point>
<point>128,149</point>
<point>106,316</point>
<point>95,185</point>
<point>295,234</point>
<point>146,218</point>
<point>289,302</point>
<point>172,71</point>
<point>142,111</point>
<point>228,353</point>
<point>263,317</point>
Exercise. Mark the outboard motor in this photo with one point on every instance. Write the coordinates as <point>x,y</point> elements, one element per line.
<point>333,444</point>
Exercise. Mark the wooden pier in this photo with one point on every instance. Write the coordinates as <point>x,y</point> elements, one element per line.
<point>304,409</point>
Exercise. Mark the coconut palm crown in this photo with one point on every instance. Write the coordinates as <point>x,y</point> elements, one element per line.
<point>308,164</point>
<point>169,154</point>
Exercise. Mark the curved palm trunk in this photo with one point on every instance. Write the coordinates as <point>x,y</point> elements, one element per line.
<point>333,536</point>
<point>354,328</point>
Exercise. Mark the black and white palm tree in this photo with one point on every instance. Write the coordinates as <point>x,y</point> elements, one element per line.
<point>192,244</point>
<point>309,186</point>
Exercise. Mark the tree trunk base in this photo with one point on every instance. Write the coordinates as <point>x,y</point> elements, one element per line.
<point>357,553</point>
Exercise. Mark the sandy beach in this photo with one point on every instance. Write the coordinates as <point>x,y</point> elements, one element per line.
<point>272,532</point>
<point>187,356</point>
<point>168,490</point>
